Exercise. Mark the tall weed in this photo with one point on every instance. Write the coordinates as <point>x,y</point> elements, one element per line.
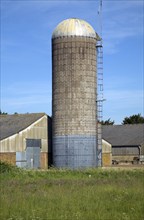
<point>64,194</point>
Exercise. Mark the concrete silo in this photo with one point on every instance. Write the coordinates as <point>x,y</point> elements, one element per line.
<point>74,94</point>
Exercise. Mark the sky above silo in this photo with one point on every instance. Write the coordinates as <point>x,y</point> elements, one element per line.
<point>26,68</point>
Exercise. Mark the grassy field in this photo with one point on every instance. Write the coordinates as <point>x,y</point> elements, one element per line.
<point>63,194</point>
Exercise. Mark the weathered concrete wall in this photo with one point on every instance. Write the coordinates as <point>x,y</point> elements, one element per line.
<point>142,149</point>
<point>44,160</point>
<point>106,159</point>
<point>106,153</point>
<point>8,157</point>
<point>74,101</point>
<point>74,86</point>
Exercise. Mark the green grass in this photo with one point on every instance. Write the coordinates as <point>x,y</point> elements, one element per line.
<point>63,194</point>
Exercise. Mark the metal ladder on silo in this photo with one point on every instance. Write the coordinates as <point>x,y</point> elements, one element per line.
<point>99,101</point>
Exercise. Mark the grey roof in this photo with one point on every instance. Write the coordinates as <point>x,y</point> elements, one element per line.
<point>12,124</point>
<point>124,135</point>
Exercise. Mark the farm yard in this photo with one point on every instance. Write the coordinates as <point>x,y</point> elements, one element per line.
<point>54,71</point>
<point>102,194</point>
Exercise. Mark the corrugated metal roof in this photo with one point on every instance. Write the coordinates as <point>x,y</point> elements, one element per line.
<point>124,135</point>
<point>12,124</point>
<point>74,27</point>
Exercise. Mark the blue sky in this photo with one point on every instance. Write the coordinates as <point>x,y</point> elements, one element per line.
<point>26,70</point>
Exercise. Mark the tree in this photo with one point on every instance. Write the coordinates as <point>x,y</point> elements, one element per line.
<point>133,119</point>
<point>3,113</point>
<point>107,122</point>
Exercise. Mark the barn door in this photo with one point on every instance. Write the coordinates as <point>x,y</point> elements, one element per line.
<point>33,153</point>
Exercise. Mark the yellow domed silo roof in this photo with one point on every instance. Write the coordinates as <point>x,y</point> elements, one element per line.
<point>74,27</point>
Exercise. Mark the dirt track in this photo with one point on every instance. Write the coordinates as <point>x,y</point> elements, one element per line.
<point>125,167</point>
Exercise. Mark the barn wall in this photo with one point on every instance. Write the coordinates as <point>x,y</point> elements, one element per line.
<point>106,159</point>
<point>17,142</point>
<point>124,159</point>
<point>124,154</point>
<point>106,154</point>
<point>125,150</point>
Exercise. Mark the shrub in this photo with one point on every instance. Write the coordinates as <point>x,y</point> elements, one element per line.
<point>7,168</point>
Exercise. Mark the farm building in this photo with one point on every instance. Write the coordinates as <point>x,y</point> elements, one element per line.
<point>127,142</point>
<point>25,140</point>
